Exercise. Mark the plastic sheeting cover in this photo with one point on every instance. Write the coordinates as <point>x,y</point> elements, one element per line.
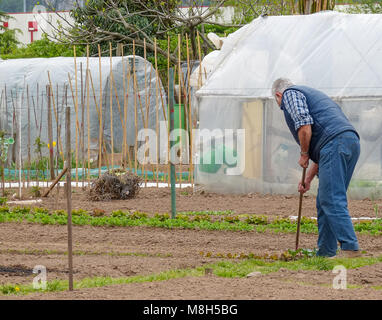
<point>334,52</point>
<point>337,53</point>
<point>16,76</point>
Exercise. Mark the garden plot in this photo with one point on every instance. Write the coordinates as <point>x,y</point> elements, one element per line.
<point>131,249</point>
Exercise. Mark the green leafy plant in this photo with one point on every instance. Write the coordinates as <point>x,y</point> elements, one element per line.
<point>36,191</point>
<point>376,210</point>
<point>257,220</point>
<point>81,212</point>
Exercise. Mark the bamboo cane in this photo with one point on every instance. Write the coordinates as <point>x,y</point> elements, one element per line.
<point>200,80</point>
<point>127,108</point>
<point>58,148</point>
<point>144,123</point>
<point>180,109</point>
<point>57,131</point>
<point>20,139</point>
<point>59,143</point>
<point>29,137</point>
<point>76,110</point>
<point>103,145</point>
<point>148,110</point>
<point>50,135</point>
<point>135,111</point>
<point>100,117</point>
<point>117,98</point>
<point>88,107</point>
<point>55,182</point>
<point>111,106</point>
<point>190,126</point>
<point>156,110</point>
<point>124,143</point>
<point>82,138</point>
<point>168,95</point>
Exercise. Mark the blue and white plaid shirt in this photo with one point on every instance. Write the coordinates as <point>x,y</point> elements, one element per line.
<point>295,104</point>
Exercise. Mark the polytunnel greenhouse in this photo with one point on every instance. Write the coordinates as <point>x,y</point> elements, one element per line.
<point>339,54</point>
<point>127,88</point>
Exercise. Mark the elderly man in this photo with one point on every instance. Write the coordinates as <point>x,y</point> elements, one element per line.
<point>327,138</point>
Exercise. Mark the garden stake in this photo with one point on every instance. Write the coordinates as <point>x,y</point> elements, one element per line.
<point>167,106</point>
<point>29,136</point>
<point>299,209</point>
<point>50,135</point>
<point>180,109</point>
<point>189,113</point>
<point>68,190</point>
<point>100,139</point>
<point>172,167</point>
<point>88,107</point>
<point>111,106</point>
<point>156,110</point>
<point>135,112</point>
<point>78,134</point>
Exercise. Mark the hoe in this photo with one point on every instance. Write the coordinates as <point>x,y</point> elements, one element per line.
<point>299,210</point>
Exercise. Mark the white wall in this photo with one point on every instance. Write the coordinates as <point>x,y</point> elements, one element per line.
<point>20,21</point>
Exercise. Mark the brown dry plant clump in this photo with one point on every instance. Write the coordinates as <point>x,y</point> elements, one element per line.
<point>115,185</point>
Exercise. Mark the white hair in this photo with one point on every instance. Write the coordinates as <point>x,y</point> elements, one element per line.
<point>280,85</point>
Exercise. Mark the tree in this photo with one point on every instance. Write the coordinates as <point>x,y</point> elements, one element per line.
<point>247,10</point>
<point>8,40</point>
<point>122,21</point>
<point>365,6</point>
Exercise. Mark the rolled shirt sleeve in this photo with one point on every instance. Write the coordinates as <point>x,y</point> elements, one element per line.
<point>295,104</point>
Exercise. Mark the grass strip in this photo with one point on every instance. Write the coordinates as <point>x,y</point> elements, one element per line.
<point>203,220</point>
<point>241,269</point>
<point>227,269</point>
<point>62,285</point>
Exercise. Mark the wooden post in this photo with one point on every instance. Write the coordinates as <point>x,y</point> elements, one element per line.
<point>69,198</point>
<point>50,136</point>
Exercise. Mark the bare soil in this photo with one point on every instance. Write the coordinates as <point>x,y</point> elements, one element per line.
<point>123,252</point>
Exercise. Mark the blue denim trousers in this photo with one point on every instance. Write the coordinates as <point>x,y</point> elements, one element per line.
<point>336,165</point>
